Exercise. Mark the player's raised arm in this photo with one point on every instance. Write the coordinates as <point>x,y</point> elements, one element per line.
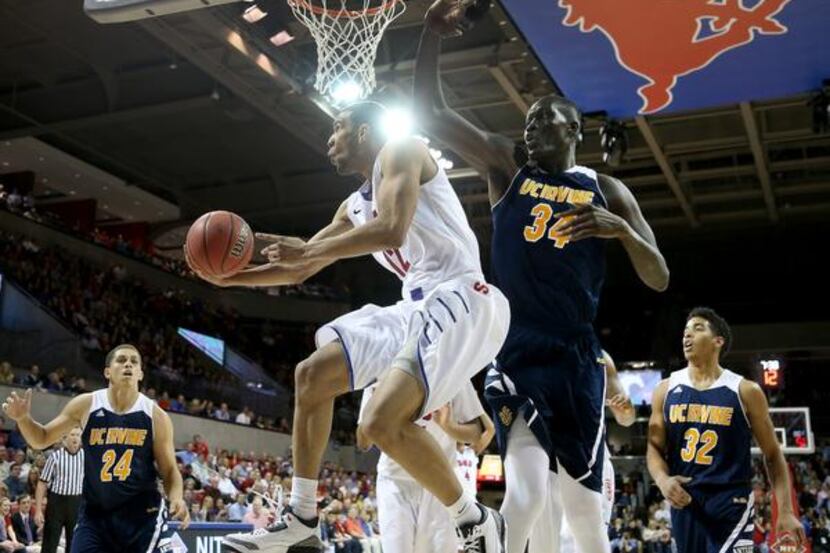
<point>164,452</point>
<point>670,486</point>
<point>757,411</point>
<point>488,153</point>
<point>402,166</point>
<point>615,396</point>
<point>275,273</point>
<point>40,436</point>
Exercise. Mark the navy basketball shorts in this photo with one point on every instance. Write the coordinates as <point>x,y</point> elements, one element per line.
<point>559,389</point>
<point>716,521</point>
<point>125,530</point>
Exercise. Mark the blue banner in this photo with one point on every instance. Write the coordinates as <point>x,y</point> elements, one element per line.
<point>632,57</point>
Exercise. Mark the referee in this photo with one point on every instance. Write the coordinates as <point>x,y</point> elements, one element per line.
<point>63,475</point>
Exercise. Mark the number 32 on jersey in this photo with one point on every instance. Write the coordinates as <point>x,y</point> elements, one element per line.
<point>542,214</point>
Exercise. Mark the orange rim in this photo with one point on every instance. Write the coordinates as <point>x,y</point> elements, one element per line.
<point>350,14</point>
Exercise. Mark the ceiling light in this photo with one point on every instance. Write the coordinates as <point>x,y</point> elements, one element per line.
<point>7,143</point>
<point>253,14</point>
<point>44,179</point>
<point>397,124</point>
<point>77,175</point>
<point>281,38</point>
<point>71,192</point>
<point>346,92</point>
<point>6,164</point>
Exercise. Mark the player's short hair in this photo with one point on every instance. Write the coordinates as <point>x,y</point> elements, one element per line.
<point>717,323</point>
<point>111,355</point>
<point>370,113</point>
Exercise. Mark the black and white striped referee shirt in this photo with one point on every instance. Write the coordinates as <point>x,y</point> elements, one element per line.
<point>64,472</point>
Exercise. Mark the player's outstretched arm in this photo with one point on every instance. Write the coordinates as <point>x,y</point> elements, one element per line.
<point>757,411</point>
<point>275,273</point>
<point>164,452</point>
<point>402,164</point>
<point>40,436</point>
<point>623,221</point>
<point>615,396</point>
<point>491,155</point>
<point>670,486</point>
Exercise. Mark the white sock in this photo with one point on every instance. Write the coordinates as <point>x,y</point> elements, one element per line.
<point>465,510</point>
<point>303,497</point>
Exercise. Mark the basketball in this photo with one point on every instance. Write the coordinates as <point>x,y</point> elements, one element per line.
<point>219,244</point>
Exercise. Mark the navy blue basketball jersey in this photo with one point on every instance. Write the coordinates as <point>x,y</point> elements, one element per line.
<point>708,437</point>
<point>119,464</point>
<point>551,283</point>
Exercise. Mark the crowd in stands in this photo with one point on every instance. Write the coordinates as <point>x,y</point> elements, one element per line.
<point>107,306</point>
<point>25,205</point>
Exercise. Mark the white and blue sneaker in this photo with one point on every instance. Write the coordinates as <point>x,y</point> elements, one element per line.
<point>289,532</point>
<point>488,535</point>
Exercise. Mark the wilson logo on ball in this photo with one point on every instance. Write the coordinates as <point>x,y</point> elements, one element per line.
<point>238,248</point>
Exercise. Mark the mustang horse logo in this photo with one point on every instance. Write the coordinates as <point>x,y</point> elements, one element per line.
<point>675,44</point>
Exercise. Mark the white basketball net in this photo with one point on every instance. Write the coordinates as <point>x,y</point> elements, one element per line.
<point>347,41</point>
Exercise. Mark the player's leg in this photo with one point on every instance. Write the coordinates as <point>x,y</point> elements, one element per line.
<point>319,379</point>
<point>90,537</point>
<point>435,531</point>
<point>578,431</point>
<point>526,471</point>
<point>731,521</point>
<point>388,423</point>
<point>397,514</point>
<point>688,530</point>
<point>548,534</point>
<point>584,514</point>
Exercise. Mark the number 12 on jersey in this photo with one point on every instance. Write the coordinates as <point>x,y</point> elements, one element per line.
<point>542,214</point>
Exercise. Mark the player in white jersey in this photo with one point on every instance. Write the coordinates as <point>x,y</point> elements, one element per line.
<point>549,534</point>
<point>411,519</point>
<point>449,324</point>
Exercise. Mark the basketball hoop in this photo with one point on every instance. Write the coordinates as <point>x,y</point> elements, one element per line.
<point>347,34</point>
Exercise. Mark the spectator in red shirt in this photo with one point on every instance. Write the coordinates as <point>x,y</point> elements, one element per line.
<point>200,446</point>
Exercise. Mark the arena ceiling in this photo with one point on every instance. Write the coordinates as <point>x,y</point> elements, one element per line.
<point>203,110</point>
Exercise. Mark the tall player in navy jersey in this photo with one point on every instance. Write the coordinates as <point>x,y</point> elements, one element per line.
<point>126,436</point>
<point>700,435</point>
<point>552,220</point>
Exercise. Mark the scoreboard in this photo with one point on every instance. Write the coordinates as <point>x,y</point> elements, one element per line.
<point>772,374</point>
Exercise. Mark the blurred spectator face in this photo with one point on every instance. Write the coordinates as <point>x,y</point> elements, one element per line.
<point>5,507</point>
<point>181,399</point>
<point>4,455</point>
<point>220,503</point>
<point>19,457</point>
<point>353,513</point>
<point>240,499</point>
<point>257,505</point>
<point>34,371</point>
<point>24,504</point>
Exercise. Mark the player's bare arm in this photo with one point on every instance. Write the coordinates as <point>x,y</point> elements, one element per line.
<point>622,221</point>
<point>403,167</point>
<point>165,455</point>
<point>615,396</point>
<point>757,411</point>
<point>670,486</point>
<point>469,432</point>
<point>40,436</point>
<point>275,273</point>
<point>490,154</point>
<point>488,432</point>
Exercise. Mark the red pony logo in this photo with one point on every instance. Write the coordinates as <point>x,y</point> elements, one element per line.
<point>673,46</point>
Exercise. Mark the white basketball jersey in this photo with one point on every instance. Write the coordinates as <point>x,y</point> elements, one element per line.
<point>439,245</point>
<point>466,469</point>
